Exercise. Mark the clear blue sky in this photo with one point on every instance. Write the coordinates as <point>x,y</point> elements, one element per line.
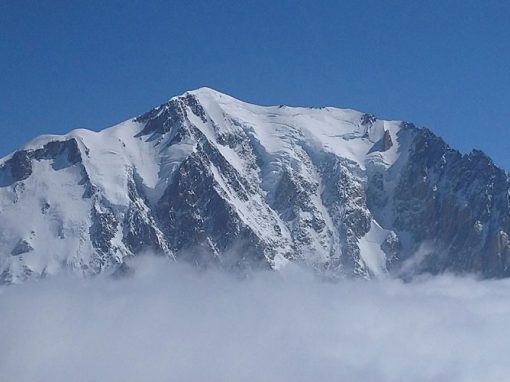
<point>441,64</point>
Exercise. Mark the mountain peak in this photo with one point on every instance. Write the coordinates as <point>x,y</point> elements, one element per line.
<point>207,93</point>
<point>204,90</point>
<point>208,96</point>
<point>212,180</point>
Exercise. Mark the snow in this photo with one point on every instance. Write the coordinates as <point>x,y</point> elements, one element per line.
<point>370,249</point>
<point>55,233</point>
<point>279,129</point>
<point>111,156</point>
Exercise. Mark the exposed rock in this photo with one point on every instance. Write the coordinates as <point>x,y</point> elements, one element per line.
<point>211,180</point>
<point>387,141</point>
<point>23,246</point>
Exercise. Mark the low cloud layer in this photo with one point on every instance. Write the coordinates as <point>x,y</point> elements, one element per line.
<point>171,323</point>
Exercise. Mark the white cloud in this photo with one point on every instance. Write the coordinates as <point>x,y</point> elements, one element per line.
<point>170,323</point>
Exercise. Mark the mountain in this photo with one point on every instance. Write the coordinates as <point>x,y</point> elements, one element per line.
<point>212,180</point>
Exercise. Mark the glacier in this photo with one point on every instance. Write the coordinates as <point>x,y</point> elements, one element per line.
<point>214,181</point>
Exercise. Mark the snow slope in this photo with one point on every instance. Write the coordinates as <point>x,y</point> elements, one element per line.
<point>210,179</point>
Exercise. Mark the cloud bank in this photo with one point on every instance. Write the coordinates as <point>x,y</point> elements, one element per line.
<point>171,323</point>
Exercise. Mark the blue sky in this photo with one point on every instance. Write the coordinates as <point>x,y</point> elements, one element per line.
<point>441,64</point>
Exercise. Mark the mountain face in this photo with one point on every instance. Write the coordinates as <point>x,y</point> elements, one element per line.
<point>212,180</point>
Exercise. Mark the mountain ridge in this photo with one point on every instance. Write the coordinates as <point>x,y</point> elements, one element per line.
<point>210,179</point>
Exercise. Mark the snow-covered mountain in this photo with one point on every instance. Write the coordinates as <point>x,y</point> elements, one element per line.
<point>213,180</point>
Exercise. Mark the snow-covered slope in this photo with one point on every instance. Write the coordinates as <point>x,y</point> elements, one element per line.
<point>213,180</point>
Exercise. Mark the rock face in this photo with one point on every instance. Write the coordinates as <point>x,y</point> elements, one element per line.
<point>209,179</point>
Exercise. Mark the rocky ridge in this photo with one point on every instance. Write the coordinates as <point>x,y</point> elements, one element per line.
<point>212,180</point>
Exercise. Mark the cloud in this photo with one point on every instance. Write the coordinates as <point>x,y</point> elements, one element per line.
<point>171,323</point>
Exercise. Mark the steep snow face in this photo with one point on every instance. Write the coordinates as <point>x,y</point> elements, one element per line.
<point>213,180</point>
